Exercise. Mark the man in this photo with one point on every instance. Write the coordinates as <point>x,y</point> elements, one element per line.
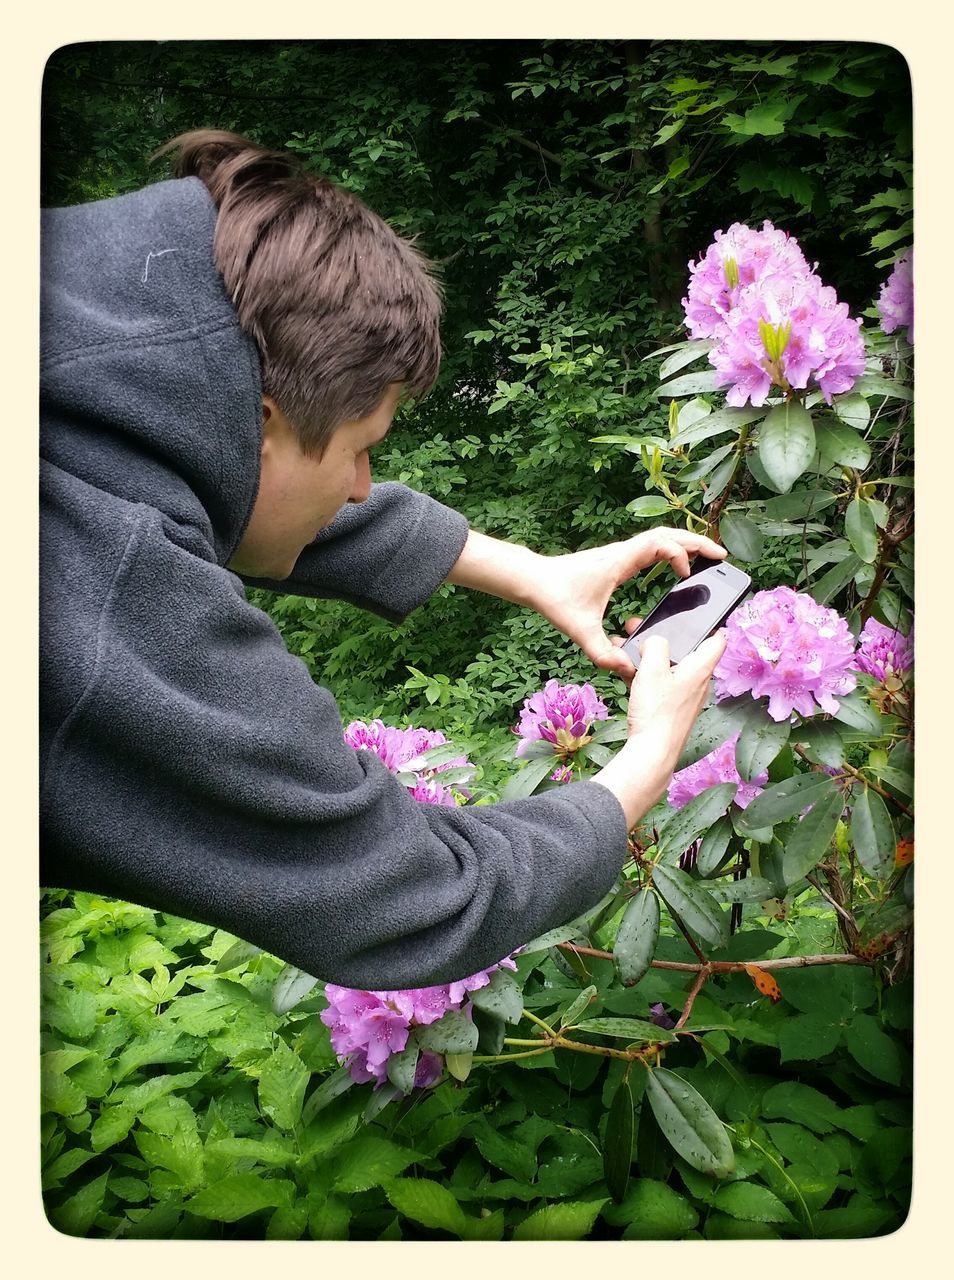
<point>221,352</point>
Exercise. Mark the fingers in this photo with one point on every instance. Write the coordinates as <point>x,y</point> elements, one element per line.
<point>653,658</point>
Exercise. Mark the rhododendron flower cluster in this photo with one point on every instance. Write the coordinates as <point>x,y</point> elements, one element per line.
<point>367,1027</point>
<point>562,714</point>
<point>783,644</point>
<point>398,747</point>
<point>774,321</point>
<point>717,767</point>
<point>896,303</point>
<point>883,652</point>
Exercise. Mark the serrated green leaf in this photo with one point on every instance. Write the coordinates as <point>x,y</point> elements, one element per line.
<point>692,903</point>
<point>636,938</point>
<point>786,443</point>
<point>872,832</point>
<point>369,1161</point>
<point>238,953</point>
<point>571,1220</point>
<point>752,1202</point>
<point>237,1196</point>
<point>689,1123</point>
<point>428,1203</point>
<point>282,1085</point>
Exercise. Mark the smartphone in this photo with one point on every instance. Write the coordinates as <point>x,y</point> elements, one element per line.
<point>692,609</point>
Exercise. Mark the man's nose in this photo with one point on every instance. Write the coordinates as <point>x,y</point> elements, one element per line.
<point>361,490</point>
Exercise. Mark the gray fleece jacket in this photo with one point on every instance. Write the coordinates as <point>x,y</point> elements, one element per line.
<point>189,762</point>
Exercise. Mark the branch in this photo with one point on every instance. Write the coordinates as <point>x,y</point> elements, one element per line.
<point>735,966</point>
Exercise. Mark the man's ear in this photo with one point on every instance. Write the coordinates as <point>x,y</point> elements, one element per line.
<point>274,423</point>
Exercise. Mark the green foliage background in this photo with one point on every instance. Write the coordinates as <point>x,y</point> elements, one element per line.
<point>562,187</point>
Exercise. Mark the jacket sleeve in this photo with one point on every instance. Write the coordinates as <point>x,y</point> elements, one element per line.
<point>203,772</point>
<point>388,554</point>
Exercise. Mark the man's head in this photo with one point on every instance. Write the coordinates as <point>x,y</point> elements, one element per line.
<point>345,314</point>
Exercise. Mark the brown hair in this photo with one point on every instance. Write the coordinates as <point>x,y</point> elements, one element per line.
<point>338,303</point>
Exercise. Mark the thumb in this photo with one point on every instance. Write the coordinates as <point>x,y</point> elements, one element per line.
<point>601,651</point>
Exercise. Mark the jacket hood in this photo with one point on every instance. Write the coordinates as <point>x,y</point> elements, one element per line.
<point>150,389</point>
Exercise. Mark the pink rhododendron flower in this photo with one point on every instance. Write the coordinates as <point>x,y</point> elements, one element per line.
<point>562,774</point>
<point>783,644</point>
<point>398,747</point>
<point>775,322</point>
<point>367,1027</point>
<point>562,714</point>
<point>896,303</point>
<point>717,767</point>
<point>883,652</point>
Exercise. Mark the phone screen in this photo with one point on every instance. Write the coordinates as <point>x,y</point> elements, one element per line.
<point>692,610</point>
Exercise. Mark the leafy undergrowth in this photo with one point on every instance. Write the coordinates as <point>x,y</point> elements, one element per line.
<point>176,1102</point>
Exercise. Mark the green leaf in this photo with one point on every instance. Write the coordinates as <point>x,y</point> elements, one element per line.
<point>752,1202</point>
<point>786,443</point>
<point>728,419</point>
<point>853,409</point>
<point>740,536</point>
<point>692,903</point>
<point>871,384</point>
<point>823,740</point>
<point>111,1126</point>
<point>715,725</point>
<point>861,529</point>
<point>636,938</point>
<point>836,579</point>
<point>369,1161</point>
<point>679,359</point>
<point>758,745</point>
<point>872,832</point>
<point>695,817</point>
<point>576,1006</point>
<point>428,1203</point>
<point>77,1215</point>
<point>291,987</point>
<point>633,1030</point>
<point>452,1033</point>
<point>713,848</point>
<point>502,996</point>
<point>689,1123</point>
<point>803,1105</point>
<point>329,1089</point>
<point>282,1084</point>
<point>690,384</point>
<point>800,504</point>
<point>459,1064</point>
<point>526,780</point>
<point>748,889</point>
<point>649,505</point>
<point>874,1049</point>
<point>651,1210</point>
<point>784,800</point>
<point>571,1220</point>
<point>552,938</point>
<point>811,838</point>
<point>238,953</point>
<point>239,1195</point>
<point>856,711</point>
<point>618,1142</point>
<point>402,1067</point>
<point>841,444</point>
